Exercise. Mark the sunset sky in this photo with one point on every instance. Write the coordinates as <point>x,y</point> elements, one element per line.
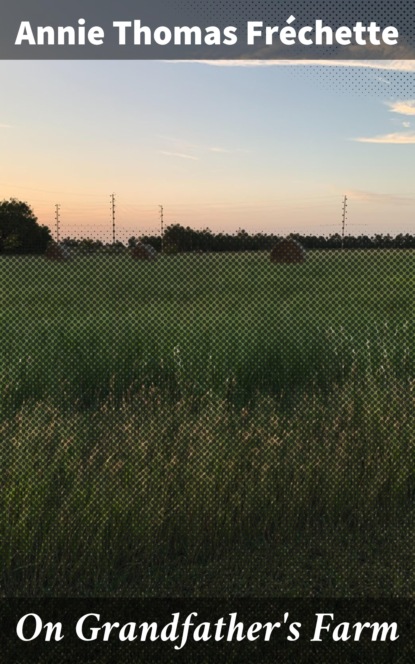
<point>264,148</point>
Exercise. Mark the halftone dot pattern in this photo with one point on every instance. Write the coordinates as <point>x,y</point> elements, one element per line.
<point>367,81</point>
<point>333,14</point>
<point>208,422</point>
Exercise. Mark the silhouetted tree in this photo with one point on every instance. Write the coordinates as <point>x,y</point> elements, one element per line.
<point>20,232</point>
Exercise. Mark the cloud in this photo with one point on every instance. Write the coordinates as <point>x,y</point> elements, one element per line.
<point>402,107</point>
<point>226,151</point>
<point>375,197</point>
<point>183,147</point>
<point>385,65</point>
<point>398,138</point>
<point>178,154</point>
<point>6,126</point>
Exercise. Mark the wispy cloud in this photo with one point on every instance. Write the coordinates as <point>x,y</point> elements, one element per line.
<point>181,155</point>
<point>219,150</point>
<point>397,138</point>
<point>6,126</point>
<point>386,65</point>
<point>226,150</point>
<point>375,197</point>
<point>402,107</point>
<point>190,150</point>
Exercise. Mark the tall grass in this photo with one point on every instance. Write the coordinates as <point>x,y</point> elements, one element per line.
<point>89,497</point>
<point>181,411</point>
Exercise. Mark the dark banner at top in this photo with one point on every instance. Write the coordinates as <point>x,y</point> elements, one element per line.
<point>197,30</point>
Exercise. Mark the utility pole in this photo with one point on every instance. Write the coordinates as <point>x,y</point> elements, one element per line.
<point>113,216</point>
<point>344,219</point>
<point>57,208</point>
<point>161,226</point>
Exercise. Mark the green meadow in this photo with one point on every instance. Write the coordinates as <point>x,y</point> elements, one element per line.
<point>208,425</point>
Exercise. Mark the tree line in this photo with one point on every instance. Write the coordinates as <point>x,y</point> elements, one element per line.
<point>178,239</point>
<point>20,233</point>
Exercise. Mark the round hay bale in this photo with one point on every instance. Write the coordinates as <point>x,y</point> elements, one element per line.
<point>144,252</point>
<point>288,250</point>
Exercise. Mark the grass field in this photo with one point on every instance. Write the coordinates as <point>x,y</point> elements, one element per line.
<point>208,425</point>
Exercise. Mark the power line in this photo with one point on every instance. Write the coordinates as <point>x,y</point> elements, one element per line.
<point>57,221</point>
<point>344,219</point>
<point>113,217</point>
<point>161,226</point>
